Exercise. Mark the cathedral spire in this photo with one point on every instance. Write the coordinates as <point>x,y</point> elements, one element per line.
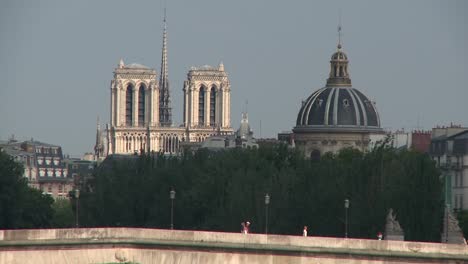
<point>165,111</point>
<point>99,147</point>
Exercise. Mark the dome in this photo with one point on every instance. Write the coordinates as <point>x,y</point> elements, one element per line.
<point>339,55</point>
<point>337,108</point>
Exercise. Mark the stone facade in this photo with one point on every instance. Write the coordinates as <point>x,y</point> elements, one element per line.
<point>135,124</point>
<point>44,167</point>
<point>141,114</point>
<point>449,150</point>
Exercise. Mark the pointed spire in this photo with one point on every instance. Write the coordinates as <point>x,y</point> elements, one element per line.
<point>164,73</point>
<point>99,147</point>
<point>165,110</point>
<point>98,132</point>
<point>221,66</point>
<point>121,63</point>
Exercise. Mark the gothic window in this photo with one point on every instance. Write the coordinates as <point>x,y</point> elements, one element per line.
<point>129,105</point>
<point>213,106</point>
<point>201,106</point>
<point>335,71</point>
<point>341,71</point>
<point>141,105</point>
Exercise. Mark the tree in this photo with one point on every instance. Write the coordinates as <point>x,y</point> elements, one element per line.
<point>218,190</point>
<point>20,205</point>
<point>63,214</point>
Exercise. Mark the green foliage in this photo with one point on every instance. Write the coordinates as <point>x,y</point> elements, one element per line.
<point>63,214</point>
<point>218,190</point>
<point>20,205</point>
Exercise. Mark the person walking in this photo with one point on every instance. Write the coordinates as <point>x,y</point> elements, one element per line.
<point>247,227</point>
<point>379,235</point>
<point>304,231</point>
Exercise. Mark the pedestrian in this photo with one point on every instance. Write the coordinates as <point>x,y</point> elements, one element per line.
<point>243,228</point>
<point>379,236</point>
<point>247,227</point>
<point>304,232</point>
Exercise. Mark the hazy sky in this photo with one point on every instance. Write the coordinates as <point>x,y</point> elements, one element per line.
<point>57,59</point>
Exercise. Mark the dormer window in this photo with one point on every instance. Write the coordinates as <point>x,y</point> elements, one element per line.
<point>345,102</point>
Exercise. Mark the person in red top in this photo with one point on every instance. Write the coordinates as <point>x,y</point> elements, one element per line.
<point>379,236</point>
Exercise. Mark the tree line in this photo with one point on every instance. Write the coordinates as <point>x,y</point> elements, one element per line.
<point>217,190</point>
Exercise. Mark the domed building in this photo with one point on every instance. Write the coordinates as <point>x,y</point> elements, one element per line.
<point>336,116</point>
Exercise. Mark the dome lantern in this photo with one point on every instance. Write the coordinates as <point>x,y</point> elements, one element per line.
<point>339,75</point>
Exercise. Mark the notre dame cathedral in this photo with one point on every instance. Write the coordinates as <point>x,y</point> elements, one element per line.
<point>141,112</point>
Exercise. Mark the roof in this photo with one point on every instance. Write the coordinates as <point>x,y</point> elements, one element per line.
<point>136,66</point>
<point>338,108</point>
<point>460,135</point>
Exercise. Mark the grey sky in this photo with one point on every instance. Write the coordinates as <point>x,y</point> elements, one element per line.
<point>57,59</point>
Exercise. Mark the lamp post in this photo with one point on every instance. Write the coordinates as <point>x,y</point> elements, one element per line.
<point>77,197</point>
<point>447,209</point>
<point>172,196</point>
<point>267,202</point>
<point>346,206</point>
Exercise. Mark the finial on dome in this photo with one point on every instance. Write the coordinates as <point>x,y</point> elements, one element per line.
<point>221,66</point>
<point>339,31</point>
<point>121,64</point>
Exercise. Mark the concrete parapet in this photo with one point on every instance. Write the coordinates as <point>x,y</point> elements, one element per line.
<point>101,245</point>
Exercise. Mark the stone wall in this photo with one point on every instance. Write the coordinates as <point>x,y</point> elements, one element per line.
<point>104,245</point>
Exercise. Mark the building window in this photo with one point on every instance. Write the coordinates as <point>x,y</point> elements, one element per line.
<point>345,102</point>
<point>141,105</point>
<point>213,106</point>
<point>201,106</point>
<point>129,105</point>
<point>315,155</point>
<point>49,189</point>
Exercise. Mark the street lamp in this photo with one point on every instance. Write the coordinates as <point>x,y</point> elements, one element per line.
<point>172,196</point>
<point>447,210</point>
<point>77,197</point>
<point>267,202</point>
<point>346,206</point>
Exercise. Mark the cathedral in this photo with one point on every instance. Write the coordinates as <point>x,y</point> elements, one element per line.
<point>141,111</point>
<point>336,116</point>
